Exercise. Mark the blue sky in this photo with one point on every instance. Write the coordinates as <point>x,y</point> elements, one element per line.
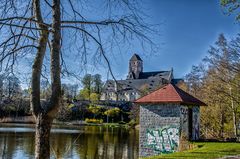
<point>188,28</point>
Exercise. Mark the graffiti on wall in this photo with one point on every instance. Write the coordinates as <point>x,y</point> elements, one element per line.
<point>196,123</point>
<point>164,140</point>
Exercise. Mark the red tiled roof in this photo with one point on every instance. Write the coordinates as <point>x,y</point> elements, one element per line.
<point>170,94</point>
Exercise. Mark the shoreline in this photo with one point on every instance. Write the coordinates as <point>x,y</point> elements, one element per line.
<point>31,120</point>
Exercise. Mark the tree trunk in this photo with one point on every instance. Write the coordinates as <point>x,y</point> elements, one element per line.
<point>233,114</point>
<point>42,136</point>
<point>222,126</point>
<point>44,114</point>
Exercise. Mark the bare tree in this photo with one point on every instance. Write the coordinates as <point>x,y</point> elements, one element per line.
<point>44,30</point>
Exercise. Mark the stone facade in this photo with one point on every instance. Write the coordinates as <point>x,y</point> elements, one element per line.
<point>135,67</point>
<point>195,123</point>
<point>162,125</point>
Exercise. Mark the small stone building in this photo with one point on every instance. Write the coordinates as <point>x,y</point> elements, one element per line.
<point>168,116</point>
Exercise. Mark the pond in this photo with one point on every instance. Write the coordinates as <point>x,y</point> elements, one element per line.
<point>85,142</point>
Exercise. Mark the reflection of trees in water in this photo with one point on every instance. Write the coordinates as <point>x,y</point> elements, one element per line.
<point>3,147</point>
<point>133,143</point>
<point>107,144</point>
<point>9,145</point>
<point>12,143</point>
<point>61,145</point>
<point>94,143</point>
<point>28,144</point>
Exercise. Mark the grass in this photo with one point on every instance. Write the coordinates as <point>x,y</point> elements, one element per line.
<point>205,150</point>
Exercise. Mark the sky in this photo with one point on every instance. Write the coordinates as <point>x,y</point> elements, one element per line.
<point>187,29</point>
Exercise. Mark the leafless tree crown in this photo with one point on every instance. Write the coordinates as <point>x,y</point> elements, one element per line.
<point>85,35</point>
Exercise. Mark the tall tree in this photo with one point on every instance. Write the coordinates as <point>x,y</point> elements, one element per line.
<point>69,90</point>
<point>98,84</point>
<point>1,88</point>
<point>231,7</point>
<point>222,59</point>
<point>40,28</point>
<point>87,83</point>
<point>218,85</point>
<point>12,86</point>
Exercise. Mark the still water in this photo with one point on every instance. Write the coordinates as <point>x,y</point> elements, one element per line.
<point>86,142</point>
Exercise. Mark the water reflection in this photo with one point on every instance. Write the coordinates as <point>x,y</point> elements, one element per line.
<point>90,142</point>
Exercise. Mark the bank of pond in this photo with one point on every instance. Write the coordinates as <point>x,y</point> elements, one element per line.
<point>84,142</point>
<point>104,141</point>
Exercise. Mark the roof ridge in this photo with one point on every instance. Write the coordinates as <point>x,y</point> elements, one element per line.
<point>174,86</point>
<point>135,56</point>
<point>190,95</point>
<point>152,92</point>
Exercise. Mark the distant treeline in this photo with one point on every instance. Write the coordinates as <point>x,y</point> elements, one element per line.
<point>76,104</point>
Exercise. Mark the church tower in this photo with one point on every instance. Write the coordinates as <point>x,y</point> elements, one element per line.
<point>135,67</point>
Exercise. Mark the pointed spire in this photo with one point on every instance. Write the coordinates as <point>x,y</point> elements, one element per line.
<point>135,57</point>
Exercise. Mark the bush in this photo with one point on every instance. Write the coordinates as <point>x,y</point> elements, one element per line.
<point>95,121</point>
<point>132,123</point>
<point>122,122</point>
<point>65,112</point>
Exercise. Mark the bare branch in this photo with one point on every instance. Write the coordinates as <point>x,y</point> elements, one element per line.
<point>99,44</point>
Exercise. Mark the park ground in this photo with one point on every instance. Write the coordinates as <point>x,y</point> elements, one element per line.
<point>205,150</point>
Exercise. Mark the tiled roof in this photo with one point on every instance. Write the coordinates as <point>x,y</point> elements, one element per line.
<point>161,74</point>
<point>152,80</point>
<point>170,94</point>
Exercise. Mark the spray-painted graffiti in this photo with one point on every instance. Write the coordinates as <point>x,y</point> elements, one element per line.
<point>196,123</point>
<point>165,140</point>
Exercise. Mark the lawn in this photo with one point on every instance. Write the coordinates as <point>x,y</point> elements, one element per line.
<point>205,150</point>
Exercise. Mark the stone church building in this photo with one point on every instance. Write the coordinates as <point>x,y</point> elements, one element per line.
<point>137,82</point>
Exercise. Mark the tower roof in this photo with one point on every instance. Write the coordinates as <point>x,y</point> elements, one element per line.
<point>170,94</point>
<point>135,57</point>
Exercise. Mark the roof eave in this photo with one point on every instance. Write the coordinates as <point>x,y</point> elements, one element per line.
<point>156,102</point>
<point>171,102</point>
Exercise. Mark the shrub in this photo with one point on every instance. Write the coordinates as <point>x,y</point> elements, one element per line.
<point>132,123</point>
<point>122,122</point>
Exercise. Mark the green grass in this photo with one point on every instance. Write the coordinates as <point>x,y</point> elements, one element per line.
<point>205,150</point>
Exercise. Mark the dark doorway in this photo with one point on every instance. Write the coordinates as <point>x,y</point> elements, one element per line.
<point>190,120</point>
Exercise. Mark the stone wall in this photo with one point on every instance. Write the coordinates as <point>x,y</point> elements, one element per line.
<point>184,121</point>
<point>163,127</point>
<point>159,129</point>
